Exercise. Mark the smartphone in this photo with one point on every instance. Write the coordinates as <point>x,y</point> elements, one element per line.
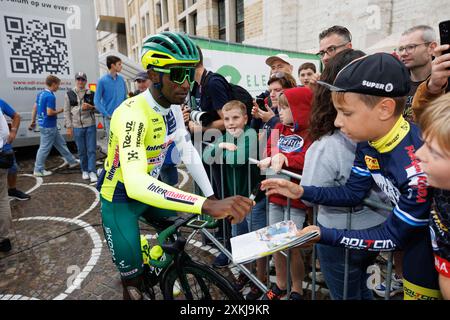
<point>261,104</point>
<point>444,30</point>
<point>197,224</point>
<point>257,194</point>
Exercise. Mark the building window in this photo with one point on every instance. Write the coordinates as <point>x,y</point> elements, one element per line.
<point>147,18</point>
<point>158,15</point>
<point>222,22</point>
<point>104,49</point>
<point>183,26</point>
<point>194,24</point>
<point>181,6</point>
<point>133,39</point>
<point>240,33</point>
<point>165,12</point>
<point>111,46</point>
<point>143,26</point>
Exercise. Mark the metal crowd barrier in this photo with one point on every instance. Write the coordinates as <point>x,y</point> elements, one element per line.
<point>264,287</point>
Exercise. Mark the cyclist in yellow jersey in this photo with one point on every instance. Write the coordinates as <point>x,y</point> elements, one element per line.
<point>142,128</point>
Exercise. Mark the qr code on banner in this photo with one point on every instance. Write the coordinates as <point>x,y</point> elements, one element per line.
<point>36,46</point>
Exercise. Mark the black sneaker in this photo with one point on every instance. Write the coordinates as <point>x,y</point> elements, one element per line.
<point>221,261</point>
<point>274,293</point>
<point>17,194</point>
<point>295,296</point>
<point>254,294</point>
<point>241,281</point>
<point>5,245</point>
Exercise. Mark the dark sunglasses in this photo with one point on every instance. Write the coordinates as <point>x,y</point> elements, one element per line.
<point>81,79</point>
<point>179,74</point>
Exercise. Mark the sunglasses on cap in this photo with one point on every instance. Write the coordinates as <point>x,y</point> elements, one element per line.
<point>179,74</point>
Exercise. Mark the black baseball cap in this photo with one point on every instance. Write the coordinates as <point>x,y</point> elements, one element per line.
<point>379,74</point>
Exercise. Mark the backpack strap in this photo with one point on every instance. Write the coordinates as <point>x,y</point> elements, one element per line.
<point>73,98</point>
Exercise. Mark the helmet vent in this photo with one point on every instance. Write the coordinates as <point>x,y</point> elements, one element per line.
<point>161,56</point>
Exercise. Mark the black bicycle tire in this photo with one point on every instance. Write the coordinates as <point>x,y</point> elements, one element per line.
<point>198,269</point>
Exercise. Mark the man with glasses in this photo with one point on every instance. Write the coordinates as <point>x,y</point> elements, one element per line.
<point>141,129</point>
<point>415,49</point>
<point>332,41</point>
<point>79,117</point>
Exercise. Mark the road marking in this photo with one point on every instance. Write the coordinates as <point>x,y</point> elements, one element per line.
<point>39,182</point>
<point>95,252</point>
<point>185,178</point>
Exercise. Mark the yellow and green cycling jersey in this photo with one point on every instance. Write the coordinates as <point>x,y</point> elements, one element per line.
<point>140,134</point>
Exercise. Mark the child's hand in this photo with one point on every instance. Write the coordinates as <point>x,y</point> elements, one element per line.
<point>265,163</point>
<point>307,230</point>
<point>278,162</point>
<point>228,146</point>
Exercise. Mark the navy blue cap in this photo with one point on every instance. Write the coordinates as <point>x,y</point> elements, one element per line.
<point>379,74</point>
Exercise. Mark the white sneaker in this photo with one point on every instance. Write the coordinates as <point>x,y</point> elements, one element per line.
<point>43,173</point>
<point>75,164</point>
<point>396,287</point>
<point>85,175</point>
<point>93,176</point>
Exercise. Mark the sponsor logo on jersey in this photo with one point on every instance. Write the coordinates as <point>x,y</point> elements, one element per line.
<point>416,295</point>
<point>288,144</point>
<point>442,265</point>
<point>129,273</point>
<point>417,176</point>
<point>173,195</point>
<point>159,147</point>
<point>443,230</point>
<point>133,156</point>
<point>115,165</point>
<point>372,163</point>
<point>171,123</point>
<point>155,160</point>
<point>368,244</point>
<point>129,127</point>
<point>139,135</point>
<point>387,187</point>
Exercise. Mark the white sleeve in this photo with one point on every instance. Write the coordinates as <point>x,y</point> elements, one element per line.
<point>189,154</point>
<point>4,130</point>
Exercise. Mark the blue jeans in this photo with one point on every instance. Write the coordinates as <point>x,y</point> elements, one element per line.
<point>169,174</point>
<point>332,264</point>
<point>86,140</point>
<point>51,137</point>
<point>239,229</point>
<point>257,219</point>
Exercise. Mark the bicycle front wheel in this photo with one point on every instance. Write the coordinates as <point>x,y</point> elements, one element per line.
<point>198,282</point>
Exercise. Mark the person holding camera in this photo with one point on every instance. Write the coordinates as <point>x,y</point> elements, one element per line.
<point>79,116</point>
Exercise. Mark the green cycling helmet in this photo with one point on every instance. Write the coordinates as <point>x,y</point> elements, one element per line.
<point>167,48</point>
